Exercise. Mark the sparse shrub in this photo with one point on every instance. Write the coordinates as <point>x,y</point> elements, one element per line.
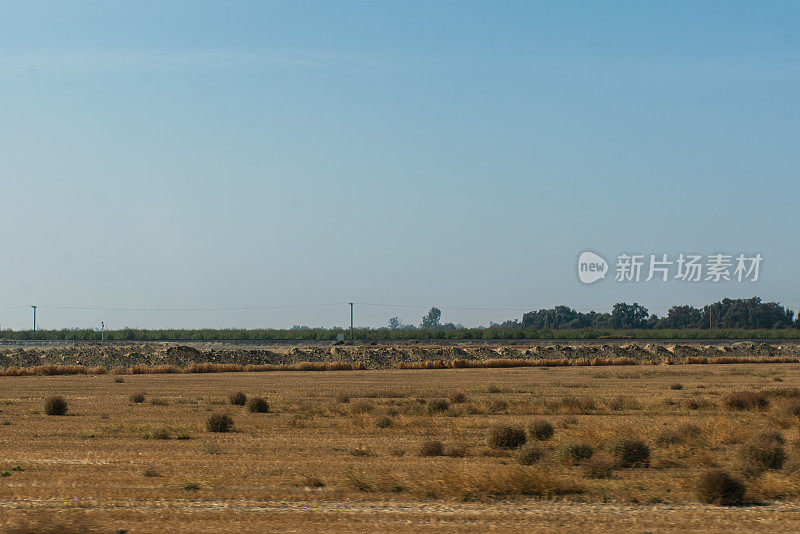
<point>219,422</point>
<point>746,400</point>
<point>137,397</point>
<point>598,466</point>
<point>529,454</point>
<point>159,402</point>
<point>541,430</point>
<point>792,407</point>
<point>342,398</point>
<point>578,404</point>
<point>689,431</point>
<point>676,387</point>
<point>762,452</point>
<point>150,473</point>
<point>498,406</point>
<point>383,422</point>
<point>691,404</point>
<point>257,405</point>
<point>631,452</point>
<point>437,406</point>
<point>457,397</point>
<point>161,433</point>
<point>118,380</point>
<point>456,451</point>
<point>579,452</point>
<point>55,406</point>
<point>668,437</point>
<point>313,482</point>
<point>431,447</point>
<point>617,403</point>
<point>360,452</point>
<point>191,486</point>
<point>362,407</point>
<point>506,437</point>
<point>238,398</point>
<point>493,388</point>
<point>720,488</point>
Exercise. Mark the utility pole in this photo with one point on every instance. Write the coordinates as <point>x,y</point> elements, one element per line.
<point>102,331</point>
<point>34,321</point>
<point>352,334</point>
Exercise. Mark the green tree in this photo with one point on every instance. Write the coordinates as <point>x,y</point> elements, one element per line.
<point>629,316</point>
<point>394,323</point>
<point>432,319</point>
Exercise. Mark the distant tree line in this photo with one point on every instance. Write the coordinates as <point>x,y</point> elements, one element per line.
<point>726,314</point>
<point>726,319</point>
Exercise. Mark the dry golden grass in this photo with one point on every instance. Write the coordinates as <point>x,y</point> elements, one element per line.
<point>318,462</point>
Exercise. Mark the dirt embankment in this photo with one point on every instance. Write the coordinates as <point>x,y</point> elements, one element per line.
<point>383,357</point>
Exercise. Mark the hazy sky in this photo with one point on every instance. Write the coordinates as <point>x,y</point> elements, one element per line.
<point>459,154</point>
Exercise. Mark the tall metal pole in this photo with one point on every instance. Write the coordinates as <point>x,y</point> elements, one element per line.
<point>352,334</point>
<point>34,321</point>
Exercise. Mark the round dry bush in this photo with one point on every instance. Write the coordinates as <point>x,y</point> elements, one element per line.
<point>238,398</point>
<point>258,405</point>
<point>598,466</point>
<point>718,487</point>
<point>431,447</point>
<point>55,406</point>
<point>437,406</point>
<point>506,437</point>
<point>579,452</point>
<point>137,397</point>
<point>745,400</point>
<point>676,387</point>
<point>219,422</point>
<point>457,397</point>
<point>631,452</point>
<point>342,398</point>
<point>541,430</point>
<point>762,452</point>
<point>529,454</point>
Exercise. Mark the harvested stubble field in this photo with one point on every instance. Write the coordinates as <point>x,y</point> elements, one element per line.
<point>406,450</point>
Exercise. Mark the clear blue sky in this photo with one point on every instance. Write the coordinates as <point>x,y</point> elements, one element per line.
<point>461,154</point>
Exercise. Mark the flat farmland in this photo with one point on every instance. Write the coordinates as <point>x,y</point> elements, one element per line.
<point>620,448</point>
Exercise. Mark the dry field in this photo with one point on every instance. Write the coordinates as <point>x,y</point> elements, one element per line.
<point>405,450</point>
